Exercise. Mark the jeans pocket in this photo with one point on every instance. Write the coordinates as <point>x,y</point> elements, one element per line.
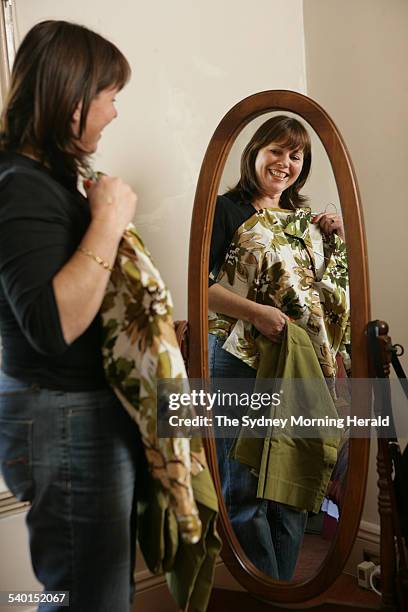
<point>16,457</point>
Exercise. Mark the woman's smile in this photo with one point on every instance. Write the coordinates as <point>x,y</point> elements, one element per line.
<point>278,174</point>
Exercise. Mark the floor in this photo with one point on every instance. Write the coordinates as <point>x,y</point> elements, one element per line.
<point>312,555</point>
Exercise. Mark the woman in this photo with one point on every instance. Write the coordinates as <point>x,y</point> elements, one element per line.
<point>66,445</point>
<point>261,233</point>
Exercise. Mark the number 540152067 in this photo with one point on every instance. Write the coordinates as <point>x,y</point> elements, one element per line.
<point>19,598</point>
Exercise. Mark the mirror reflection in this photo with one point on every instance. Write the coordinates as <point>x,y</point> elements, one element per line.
<point>279,309</point>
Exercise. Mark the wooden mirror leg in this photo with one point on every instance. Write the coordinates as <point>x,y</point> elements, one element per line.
<point>387,544</point>
<point>392,586</point>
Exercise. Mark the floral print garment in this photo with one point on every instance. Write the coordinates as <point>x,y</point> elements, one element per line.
<point>271,260</point>
<point>139,348</point>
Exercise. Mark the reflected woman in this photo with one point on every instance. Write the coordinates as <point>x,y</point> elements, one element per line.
<point>271,262</point>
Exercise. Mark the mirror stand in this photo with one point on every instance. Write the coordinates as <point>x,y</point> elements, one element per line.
<point>329,588</point>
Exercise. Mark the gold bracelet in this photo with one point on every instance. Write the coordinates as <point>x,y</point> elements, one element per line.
<point>96,258</point>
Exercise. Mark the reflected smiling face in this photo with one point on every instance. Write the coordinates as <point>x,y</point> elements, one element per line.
<point>277,168</point>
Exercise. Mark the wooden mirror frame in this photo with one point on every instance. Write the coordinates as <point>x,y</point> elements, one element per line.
<point>257,583</point>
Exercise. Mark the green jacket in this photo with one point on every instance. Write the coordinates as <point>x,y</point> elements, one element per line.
<point>189,567</point>
<point>293,470</point>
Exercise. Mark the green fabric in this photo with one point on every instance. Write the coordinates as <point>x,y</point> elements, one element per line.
<point>192,576</point>
<point>189,567</point>
<point>292,470</point>
<point>203,486</point>
<point>157,529</point>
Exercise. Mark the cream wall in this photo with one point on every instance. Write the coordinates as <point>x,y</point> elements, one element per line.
<point>356,69</point>
<point>191,62</point>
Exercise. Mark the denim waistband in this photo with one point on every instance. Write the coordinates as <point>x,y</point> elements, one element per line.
<point>10,384</point>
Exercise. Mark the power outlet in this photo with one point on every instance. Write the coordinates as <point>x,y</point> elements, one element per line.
<point>364,571</point>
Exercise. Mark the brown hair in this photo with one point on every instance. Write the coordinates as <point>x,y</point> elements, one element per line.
<point>288,132</point>
<point>57,66</point>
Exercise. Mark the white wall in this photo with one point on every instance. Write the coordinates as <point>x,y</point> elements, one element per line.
<point>356,69</point>
<point>191,62</point>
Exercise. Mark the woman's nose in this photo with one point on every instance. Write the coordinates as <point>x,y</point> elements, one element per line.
<point>284,159</point>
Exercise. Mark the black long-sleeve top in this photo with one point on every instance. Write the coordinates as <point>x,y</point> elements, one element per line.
<point>230,214</point>
<point>42,222</point>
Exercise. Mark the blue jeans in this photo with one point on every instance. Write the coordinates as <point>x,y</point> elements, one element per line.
<point>270,533</point>
<point>74,456</point>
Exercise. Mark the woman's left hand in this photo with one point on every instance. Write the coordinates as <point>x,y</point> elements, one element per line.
<point>329,223</point>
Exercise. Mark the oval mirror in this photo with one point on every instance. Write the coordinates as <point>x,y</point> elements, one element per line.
<point>333,182</point>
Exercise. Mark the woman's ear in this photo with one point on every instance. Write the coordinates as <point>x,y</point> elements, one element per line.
<point>76,118</point>
<point>77,113</point>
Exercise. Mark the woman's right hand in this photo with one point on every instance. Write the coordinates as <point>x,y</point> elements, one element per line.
<point>112,202</point>
<point>269,321</point>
